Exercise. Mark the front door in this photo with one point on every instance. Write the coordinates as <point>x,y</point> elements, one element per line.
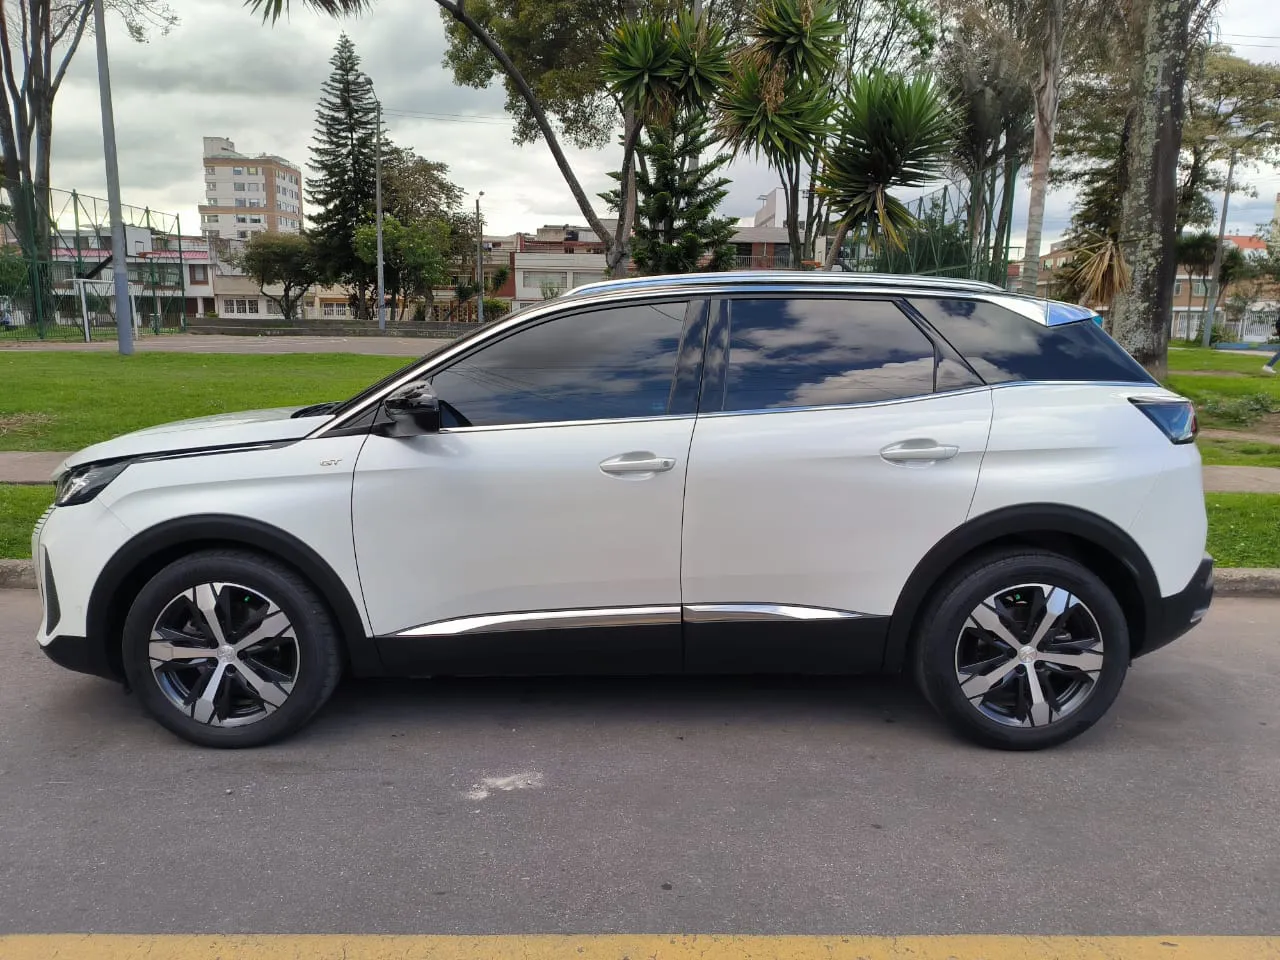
<point>539,530</point>
<point>836,444</point>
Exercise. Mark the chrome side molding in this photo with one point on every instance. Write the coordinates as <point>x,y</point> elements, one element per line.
<point>782,612</point>
<point>626,617</point>
<point>547,619</point>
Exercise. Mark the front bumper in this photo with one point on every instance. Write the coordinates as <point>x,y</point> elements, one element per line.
<point>1175,615</point>
<point>78,654</point>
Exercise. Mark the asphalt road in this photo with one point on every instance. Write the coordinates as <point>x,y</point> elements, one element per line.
<point>767,806</point>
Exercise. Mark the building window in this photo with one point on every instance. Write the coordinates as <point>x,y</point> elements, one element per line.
<point>241,202</point>
<point>1198,288</point>
<point>255,203</point>
<point>254,187</point>
<point>238,171</point>
<point>273,309</point>
<point>242,234</point>
<point>241,218</point>
<point>333,309</point>
<point>551,278</point>
<point>208,218</point>
<point>255,219</point>
<point>253,171</point>
<point>209,171</point>
<point>1177,288</point>
<point>199,273</point>
<point>238,187</point>
<point>210,186</point>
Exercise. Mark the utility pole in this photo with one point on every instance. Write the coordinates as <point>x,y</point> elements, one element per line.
<point>119,255</point>
<point>1206,334</point>
<point>479,262</point>
<point>377,167</point>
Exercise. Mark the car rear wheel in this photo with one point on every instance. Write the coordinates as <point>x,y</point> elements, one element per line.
<point>230,649</point>
<point>1022,650</point>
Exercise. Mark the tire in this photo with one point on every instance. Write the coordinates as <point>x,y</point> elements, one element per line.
<point>273,657</point>
<point>979,663</point>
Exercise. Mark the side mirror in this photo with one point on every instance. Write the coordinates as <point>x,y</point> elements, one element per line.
<point>411,412</point>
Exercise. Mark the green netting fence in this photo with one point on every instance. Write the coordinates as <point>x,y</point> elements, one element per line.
<point>57,262</point>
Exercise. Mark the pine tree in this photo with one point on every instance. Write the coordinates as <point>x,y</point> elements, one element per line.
<point>342,188</point>
<point>677,230</point>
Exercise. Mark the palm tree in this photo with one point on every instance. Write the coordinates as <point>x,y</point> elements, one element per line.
<point>893,132</point>
<point>777,103</point>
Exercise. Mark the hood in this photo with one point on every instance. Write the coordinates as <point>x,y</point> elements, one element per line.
<point>221,430</point>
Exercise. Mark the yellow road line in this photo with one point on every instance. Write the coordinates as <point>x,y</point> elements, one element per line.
<point>626,947</point>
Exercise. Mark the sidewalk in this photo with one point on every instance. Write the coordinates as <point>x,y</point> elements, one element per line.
<point>36,468</point>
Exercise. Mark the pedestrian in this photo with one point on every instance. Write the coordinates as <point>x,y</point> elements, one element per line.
<point>1270,365</point>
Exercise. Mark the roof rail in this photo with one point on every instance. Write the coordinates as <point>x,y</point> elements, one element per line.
<point>796,277</point>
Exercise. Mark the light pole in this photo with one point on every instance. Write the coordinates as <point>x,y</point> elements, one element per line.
<point>377,202</point>
<point>1206,334</point>
<point>119,255</point>
<point>479,262</point>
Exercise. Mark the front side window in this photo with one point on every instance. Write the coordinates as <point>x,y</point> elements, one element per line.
<point>611,363</point>
<point>1004,347</point>
<point>786,352</point>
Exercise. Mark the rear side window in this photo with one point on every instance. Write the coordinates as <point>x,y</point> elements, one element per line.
<point>819,352</point>
<point>1004,347</point>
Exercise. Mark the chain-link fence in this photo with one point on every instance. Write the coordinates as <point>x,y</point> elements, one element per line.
<point>945,243</point>
<point>57,267</point>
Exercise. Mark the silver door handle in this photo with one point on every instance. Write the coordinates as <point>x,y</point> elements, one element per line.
<point>918,451</point>
<point>637,463</point>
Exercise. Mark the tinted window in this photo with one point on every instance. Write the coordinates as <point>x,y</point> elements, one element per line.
<point>1003,346</point>
<point>804,353</point>
<point>596,365</point>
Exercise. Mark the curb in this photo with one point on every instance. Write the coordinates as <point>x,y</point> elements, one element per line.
<point>1227,581</point>
<point>17,574</point>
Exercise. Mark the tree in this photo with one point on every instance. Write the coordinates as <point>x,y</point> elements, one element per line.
<point>415,188</point>
<point>342,191</point>
<point>1224,92</point>
<point>988,74</point>
<point>1196,252</point>
<point>1144,312</point>
<point>414,259</point>
<point>1061,31</point>
<point>893,132</point>
<point>283,260</point>
<point>37,44</point>
<point>677,230</point>
<point>778,103</point>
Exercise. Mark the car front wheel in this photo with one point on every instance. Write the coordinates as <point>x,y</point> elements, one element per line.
<point>230,649</point>
<point>1022,650</point>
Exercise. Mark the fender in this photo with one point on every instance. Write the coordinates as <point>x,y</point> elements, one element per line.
<point>141,557</point>
<point>1116,557</point>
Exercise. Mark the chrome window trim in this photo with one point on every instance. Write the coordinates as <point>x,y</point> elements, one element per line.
<point>776,612</point>
<point>539,619</point>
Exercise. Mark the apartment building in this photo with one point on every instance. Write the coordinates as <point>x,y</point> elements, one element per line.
<point>244,195</point>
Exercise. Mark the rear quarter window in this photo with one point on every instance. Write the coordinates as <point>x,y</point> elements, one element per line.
<point>1004,347</point>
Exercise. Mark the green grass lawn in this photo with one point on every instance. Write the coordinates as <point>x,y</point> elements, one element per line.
<point>1197,358</point>
<point>65,401</point>
<point>1244,528</point>
<point>20,508</point>
<point>1239,453</point>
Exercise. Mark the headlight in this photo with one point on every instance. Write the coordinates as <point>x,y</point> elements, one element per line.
<point>82,484</point>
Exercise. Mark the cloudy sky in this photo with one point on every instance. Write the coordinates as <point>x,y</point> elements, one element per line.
<point>220,72</point>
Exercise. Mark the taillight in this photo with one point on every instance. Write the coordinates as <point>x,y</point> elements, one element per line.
<point>1175,418</point>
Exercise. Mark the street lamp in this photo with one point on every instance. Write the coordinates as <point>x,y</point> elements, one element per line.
<point>479,262</point>
<point>377,205</point>
<point>1206,335</point>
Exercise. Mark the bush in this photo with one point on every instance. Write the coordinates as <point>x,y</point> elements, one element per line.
<point>495,308</point>
<point>1243,409</point>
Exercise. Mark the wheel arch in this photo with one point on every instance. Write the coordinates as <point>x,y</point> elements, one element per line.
<point>1086,537</point>
<point>148,552</point>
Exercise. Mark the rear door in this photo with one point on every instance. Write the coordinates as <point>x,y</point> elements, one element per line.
<point>836,444</point>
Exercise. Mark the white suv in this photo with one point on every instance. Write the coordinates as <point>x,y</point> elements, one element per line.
<point>738,473</point>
